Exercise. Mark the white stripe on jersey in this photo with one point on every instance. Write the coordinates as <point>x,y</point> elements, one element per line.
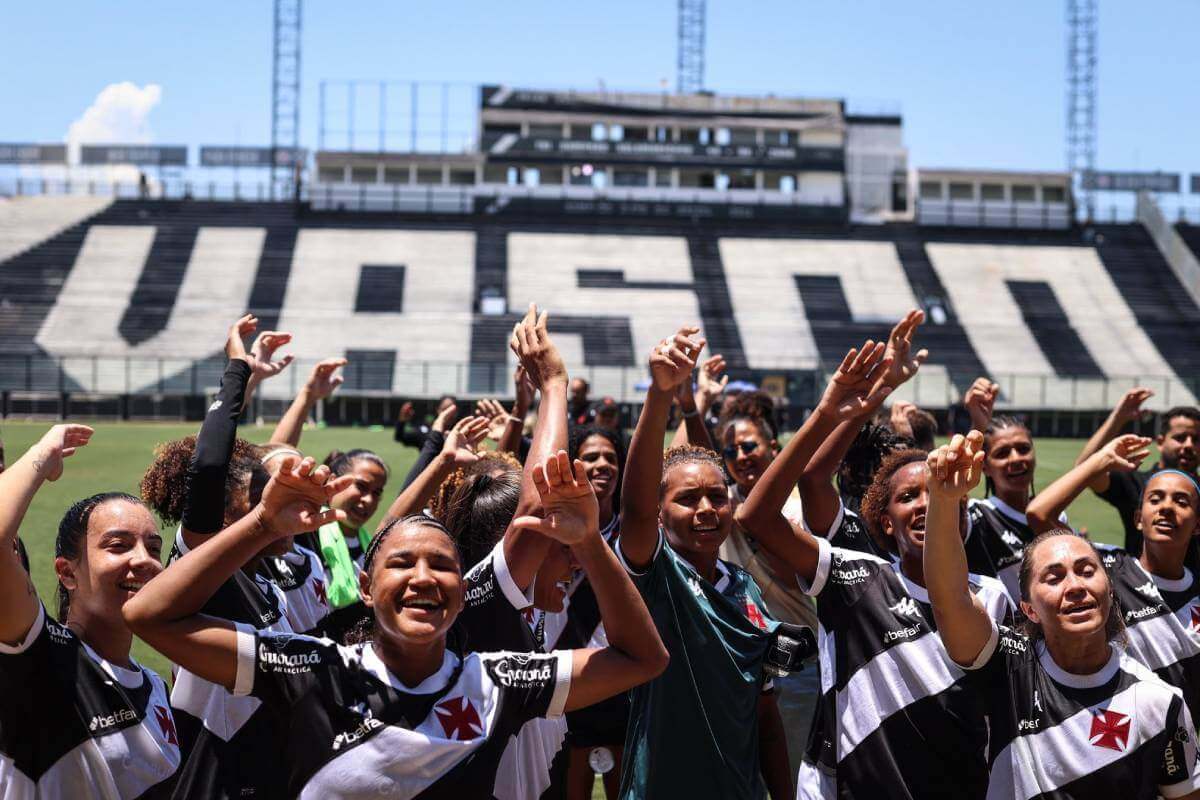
<point>1018,773</point>
<point>1157,642</point>
<point>885,686</point>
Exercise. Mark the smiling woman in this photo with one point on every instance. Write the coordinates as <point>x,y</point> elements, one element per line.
<point>106,728</point>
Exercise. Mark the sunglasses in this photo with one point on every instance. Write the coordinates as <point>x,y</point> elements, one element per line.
<point>747,448</point>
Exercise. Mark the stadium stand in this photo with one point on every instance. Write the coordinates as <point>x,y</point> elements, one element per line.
<point>130,296</point>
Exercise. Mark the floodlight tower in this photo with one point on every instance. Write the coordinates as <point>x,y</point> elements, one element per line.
<point>1081,96</point>
<point>690,57</point>
<point>285,94</point>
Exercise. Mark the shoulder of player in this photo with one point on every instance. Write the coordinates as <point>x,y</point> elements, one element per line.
<point>986,586</point>
<point>1112,556</point>
<point>848,567</point>
<point>297,652</point>
<point>1151,688</point>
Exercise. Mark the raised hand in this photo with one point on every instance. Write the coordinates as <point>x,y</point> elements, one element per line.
<point>674,358</point>
<point>406,412</point>
<point>325,378</point>
<point>445,418</point>
<point>571,511</point>
<point>955,468</point>
<point>900,422</point>
<point>711,381</point>
<point>235,345</point>
<point>292,499</point>
<point>1130,406</point>
<point>1124,453</point>
<point>980,399</point>
<point>489,408</point>
<point>463,440</point>
<point>903,363</point>
<point>536,351</point>
<point>60,442</point>
<point>524,389</point>
<point>859,385</point>
<point>263,350</point>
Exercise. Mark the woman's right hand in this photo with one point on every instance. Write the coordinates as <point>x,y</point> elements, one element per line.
<point>571,510</point>
<point>1124,453</point>
<point>60,442</point>
<point>292,500</point>
<point>674,358</point>
<point>955,468</point>
<point>859,385</point>
<point>464,438</point>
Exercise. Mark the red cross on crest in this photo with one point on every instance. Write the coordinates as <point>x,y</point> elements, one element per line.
<point>529,614</point>
<point>167,724</point>
<point>754,615</point>
<point>1195,618</point>
<point>319,588</point>
<point>1110,729</point>
<point>459,719</point>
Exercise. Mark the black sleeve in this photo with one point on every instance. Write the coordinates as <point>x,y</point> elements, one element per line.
<point>432,446</point>
<point>280,668</point>
<point>524,447</point>
<point>409,436</point>
<point>204,511</point>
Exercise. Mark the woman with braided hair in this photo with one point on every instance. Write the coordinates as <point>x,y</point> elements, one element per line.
<point>401,714</point>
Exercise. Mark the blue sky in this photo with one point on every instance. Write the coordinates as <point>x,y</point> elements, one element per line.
<point>979,84</point>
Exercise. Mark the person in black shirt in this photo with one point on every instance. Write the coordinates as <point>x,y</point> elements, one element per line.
<point>577,403</point>
<point>80,717</point>
<point>415,436</point>
<point>1070,715</point>
<point>1178,443</point>
<point>400,714</point>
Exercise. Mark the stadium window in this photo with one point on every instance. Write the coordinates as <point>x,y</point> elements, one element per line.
<point>462,177</point>
<point>616,132</point>
<point>581,175</point>
<point>1023,193</point>
<point>662,177</point>
<point>991,191</point>
<point>599,132</point>
<point>495,173</point>
<point>395,174</point>
<point>931,190</point>
<point>637,134</point>
<point>722,182</point>
<point>743,136</point>
<point>1053,194</point>
<point>630,177</point>
<point>774,137</point>
<point>741,179</point>
<point>363,174</point>
<point>721,136</point>
<point>581,132</point>
<point>531,176</point>
<point>429,175</point>
<point>550,176</point>
<point>704,136</point>
<point>545,131</point>
<point>962,191</point>
<point>599,179</point>
<point>689,135</point>
<point>331,175</point>
<point>662,134</point>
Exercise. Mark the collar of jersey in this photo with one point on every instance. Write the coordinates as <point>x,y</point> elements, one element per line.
<point>294,556</point>
<point>919,593</point>
<point>373,664</point>
<point>1169,584</point>
<point>1005,509</point>
<point>1060,675</point>
<point>129,678</point>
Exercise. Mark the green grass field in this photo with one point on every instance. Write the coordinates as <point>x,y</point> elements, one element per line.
<point>120,452</point>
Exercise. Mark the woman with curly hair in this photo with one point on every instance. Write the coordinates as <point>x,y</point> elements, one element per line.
<point>893,719</point>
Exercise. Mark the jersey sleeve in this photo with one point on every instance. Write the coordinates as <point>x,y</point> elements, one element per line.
<point>21,661</point>
<point>1178,768</point>
<point>999,656</point>
<point>278,668</point>
<point>645,577</point>
<point>534,684</point>
<point>490,581</point>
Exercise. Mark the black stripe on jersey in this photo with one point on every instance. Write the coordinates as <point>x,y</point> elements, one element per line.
<point>491,616</point>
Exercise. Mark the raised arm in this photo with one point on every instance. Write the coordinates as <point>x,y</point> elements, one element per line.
<point>1125,412</point>
<point>18,484</point>
<point>321,383</point>
<point>857,387</point>
<point>457,451</point>
<point>537,353</point>
<point>710,382</point>
<point>432,444</point>
<point>262,353</point>
<point>166,612</point>
<point>671,363</point>
<point>510,440</point>
<point>962,621</point>
<point>980,400</point>
<point>635,653</point>
<point>1122,454</point>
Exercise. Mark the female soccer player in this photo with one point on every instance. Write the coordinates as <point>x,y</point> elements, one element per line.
<point>706,727</point>
<point>893,719</point>
<point>1158,594</point>
<point>80,717</point>
<point>1070,714</point>
<point>401,714</point>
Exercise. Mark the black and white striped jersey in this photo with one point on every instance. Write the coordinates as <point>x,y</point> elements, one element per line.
<point>232,749</point>
<point>894,718</point>
<point>74,725</point>
<point>1162,621</point>
<point>849,532</point>
<point>355,730</point>
<point>996,537</point>
<point>1120,732</point>
<point>300,575</point>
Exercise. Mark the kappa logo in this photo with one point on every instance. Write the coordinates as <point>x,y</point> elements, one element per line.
<point>459,719</point>
<point>1011,539</point>
<point>694,585</point>
<point>1149,589</point>
<point>216,404</point>
<point>166,724</point>
<point>907,607</point>
<point>1110,729</point>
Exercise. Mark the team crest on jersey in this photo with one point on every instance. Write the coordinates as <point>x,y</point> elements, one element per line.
<point>166,724</point>
<point>1195,619</point>
<point>694,585</point>
<point>754,615</point>
<point>459,719</point>
<point>906,607</point>
<point>319,591</point>
<point>1110,729</point>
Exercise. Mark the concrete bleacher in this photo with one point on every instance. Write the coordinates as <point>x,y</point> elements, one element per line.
<point>135,296</point>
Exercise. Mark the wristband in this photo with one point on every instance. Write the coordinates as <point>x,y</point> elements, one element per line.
<point>695,412</point>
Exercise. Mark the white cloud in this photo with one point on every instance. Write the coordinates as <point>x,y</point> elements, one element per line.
<point>120,114</point>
